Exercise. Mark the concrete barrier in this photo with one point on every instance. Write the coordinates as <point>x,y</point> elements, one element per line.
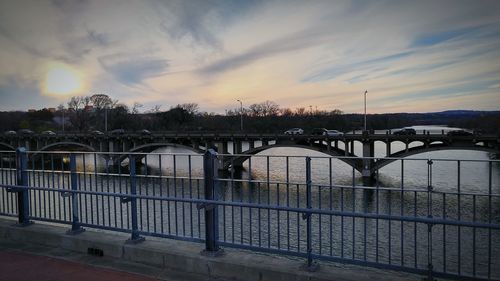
<point>185,257</point>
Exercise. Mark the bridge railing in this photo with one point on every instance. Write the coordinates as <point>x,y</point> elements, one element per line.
<point>437,217</point>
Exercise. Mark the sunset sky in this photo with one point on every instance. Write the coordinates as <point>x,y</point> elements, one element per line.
<point>411,56</point>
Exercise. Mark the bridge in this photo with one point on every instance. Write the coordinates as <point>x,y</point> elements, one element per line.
<point>235,148</point>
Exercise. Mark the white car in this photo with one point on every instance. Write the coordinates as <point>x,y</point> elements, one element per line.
<point>334,133</point>
<point>294,131</point>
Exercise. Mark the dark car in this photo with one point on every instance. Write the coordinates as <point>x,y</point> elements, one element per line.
<point>319,131</point>
<point>118,132</point>
<point>10,133</point>
<point>25,132</point>
<point>48,133</point>
<point>405,131</point>
<point>294,131</point>
<point>145,132</point>
<point>96,133</point>
<point>459,133</point>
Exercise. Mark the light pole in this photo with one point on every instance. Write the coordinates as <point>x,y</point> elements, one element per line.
<point>365,108</point>
<point>62,119</point>
<point>241,115</point>
<point>106,118</point>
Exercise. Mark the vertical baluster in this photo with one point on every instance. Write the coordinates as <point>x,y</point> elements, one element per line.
<point>459,217</point>
<point>330,180</point>
<point>211,211</point>
<point>136,238</point>
<point>430,268</point>
<point>401,213</point>
<point>75,223</point>
<point>23,200</point>
<point>310,265</point>
<point>490,181</point>
<point>268,203</point>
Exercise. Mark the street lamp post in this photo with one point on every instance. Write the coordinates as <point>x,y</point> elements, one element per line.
<point>62,120</point>
<point>241,115</point>
<point>105,118</point>
<point>365,108</point>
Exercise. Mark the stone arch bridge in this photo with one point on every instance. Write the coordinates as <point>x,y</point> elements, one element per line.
<point>231,145</point>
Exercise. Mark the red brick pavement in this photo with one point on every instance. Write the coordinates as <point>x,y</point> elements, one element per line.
<point>21,266</point>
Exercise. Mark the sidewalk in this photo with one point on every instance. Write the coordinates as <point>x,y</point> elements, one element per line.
<point>20,266</point>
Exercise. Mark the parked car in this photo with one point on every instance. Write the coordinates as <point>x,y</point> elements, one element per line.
<point>96,133</point>
<point>48,133</point>
<point>334,133</point>
<point>294,131</point>
<point>459,133</point>
<point>319,131</point>
<point>118,132</point>
<point>404,131</point>
<point>10,133</point>
<point>145,132</point>
<point>25,132</point>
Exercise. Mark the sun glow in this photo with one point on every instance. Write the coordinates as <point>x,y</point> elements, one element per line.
<point>61,79</point>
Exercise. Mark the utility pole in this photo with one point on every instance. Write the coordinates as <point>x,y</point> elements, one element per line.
<point>62,119</point>
<point>241,115</point>
<point>365,108</point>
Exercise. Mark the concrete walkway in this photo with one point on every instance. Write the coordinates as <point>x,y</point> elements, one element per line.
<point>21,266</point>
<point>153,259</point>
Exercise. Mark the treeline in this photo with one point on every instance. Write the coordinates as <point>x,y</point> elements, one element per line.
<point>88,113</point>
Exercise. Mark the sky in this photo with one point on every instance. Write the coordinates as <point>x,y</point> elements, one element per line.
<point>411,56</point>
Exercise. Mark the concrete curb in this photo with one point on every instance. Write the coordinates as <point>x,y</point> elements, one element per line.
<point>185,257</point>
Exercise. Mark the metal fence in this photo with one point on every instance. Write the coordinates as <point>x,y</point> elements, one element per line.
<point>291,205</point>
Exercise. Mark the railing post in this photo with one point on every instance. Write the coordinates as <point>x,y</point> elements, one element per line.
<point>136,238</point>
<point>75,223</point>
<point>310,265</point>
<point>430,267</point>
<point>23,200</point>
<point>211,211</point>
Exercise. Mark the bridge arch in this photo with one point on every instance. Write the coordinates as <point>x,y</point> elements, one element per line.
<point>150,147</point>
<point>70,145</point>
<point>5,146</point>
<point>238,160</point>
<point>422,149</point>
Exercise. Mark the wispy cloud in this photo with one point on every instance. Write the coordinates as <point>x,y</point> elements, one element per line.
<point>133,69</point>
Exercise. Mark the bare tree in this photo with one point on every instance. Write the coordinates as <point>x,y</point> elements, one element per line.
<point>300,111</point>
<point>270,108</point>
<point>286,112</point>
<point>191,108</point>
<point>135,107</point>
<point>156,108</point>
<point>79,102</point>
<point>101,101</point>
<point>79,117</point>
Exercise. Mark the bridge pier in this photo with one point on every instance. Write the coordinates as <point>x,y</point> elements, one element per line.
<point>111,146</point>
<point>366,172</point>
<point>237,147</point>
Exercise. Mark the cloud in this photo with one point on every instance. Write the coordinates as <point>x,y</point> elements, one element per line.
<point>199,20</point>
<point>296,41</point>
<point>133,69</point>
<point>13,90</point>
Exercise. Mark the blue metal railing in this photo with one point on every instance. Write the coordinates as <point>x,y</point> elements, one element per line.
<point>293,205</point>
